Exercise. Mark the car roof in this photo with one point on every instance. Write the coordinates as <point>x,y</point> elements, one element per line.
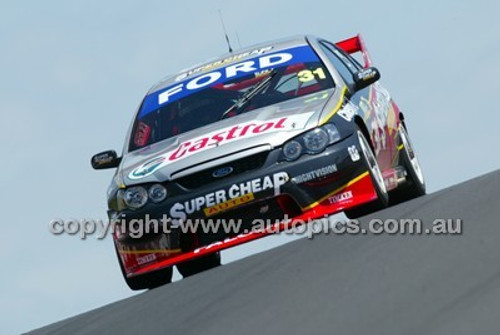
<point>230,57</point>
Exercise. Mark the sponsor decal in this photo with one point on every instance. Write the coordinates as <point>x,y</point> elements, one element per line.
<point>145,259</point>
<point>315,174</point>
<point>366,74</point>
<point>340,197</point>
<point>254,65</point>
<point>225,241</point>
<point>103,159</point>
<point>381,104</point>
<point>365,104</point>
<point>222,62</point>
<point>224,206</point>
<point>220,137</point>
<point>316,97</point>
<point>241,193</point>
<point>378,137</point>
<point>354,153</point>
<point>147,168</point>
<point>142,134</point>
<point>348,112</point>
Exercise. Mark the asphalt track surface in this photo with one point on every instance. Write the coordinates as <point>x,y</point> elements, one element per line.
<point>364,284</point>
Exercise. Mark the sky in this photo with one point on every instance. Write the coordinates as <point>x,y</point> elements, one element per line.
<point>72,74</point>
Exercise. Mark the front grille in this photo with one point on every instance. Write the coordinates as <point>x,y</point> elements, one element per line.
<point>205,177</point>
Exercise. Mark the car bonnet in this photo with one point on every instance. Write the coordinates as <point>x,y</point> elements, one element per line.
<point>224,141</point>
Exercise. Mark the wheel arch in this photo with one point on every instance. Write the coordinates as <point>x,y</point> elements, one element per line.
<point>361,124</point>
<point>402,120</point>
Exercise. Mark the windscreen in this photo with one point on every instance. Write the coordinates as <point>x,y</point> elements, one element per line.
<point>228,91</point>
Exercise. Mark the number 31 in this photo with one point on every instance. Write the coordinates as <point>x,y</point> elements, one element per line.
<point>308,75</point>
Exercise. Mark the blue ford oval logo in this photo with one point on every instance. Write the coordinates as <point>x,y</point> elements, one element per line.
<point>222,172</point>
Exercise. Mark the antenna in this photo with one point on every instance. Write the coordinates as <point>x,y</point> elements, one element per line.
<point>225,32</point>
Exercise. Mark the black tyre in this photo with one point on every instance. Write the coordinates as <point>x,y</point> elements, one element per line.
<point>148,280</point>
<point>371,163</point>
<point>198,265</point>
<point>414,186</point>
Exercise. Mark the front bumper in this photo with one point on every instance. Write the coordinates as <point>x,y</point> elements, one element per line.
<point>311,187</point>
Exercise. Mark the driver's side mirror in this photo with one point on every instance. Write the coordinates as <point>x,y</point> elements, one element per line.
<point>366,77</point>
<point>105,160</point>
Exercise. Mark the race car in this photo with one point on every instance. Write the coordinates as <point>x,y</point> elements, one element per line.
<point>285,131</point>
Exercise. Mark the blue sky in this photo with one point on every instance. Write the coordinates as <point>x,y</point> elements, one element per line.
<point>72,74</point>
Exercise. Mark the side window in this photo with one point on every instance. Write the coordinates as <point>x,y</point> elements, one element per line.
<point>343,65</point>
<point>352,64</point>
<point>356,59</point>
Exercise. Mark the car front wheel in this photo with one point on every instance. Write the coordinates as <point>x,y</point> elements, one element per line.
<point>371,163</point>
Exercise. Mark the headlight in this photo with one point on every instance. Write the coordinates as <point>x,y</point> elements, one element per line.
<point>135,197</point>
<point>157,193</point>
<point>333,133</point>
<point>312,142</point>
<point>316,140</point>
<point>292,150</point>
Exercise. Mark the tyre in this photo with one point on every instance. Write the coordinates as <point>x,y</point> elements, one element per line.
<point>148,280</point>
<point>414,186</point>
<point>371,163</point>
<point>198,265</point>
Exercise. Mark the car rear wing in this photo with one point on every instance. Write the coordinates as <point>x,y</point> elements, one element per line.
<point>353,45</point>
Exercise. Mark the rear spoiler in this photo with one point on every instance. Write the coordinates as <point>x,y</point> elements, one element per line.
<point>353,45</point>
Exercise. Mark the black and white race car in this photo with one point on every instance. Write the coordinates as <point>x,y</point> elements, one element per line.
<point>297,128</point>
